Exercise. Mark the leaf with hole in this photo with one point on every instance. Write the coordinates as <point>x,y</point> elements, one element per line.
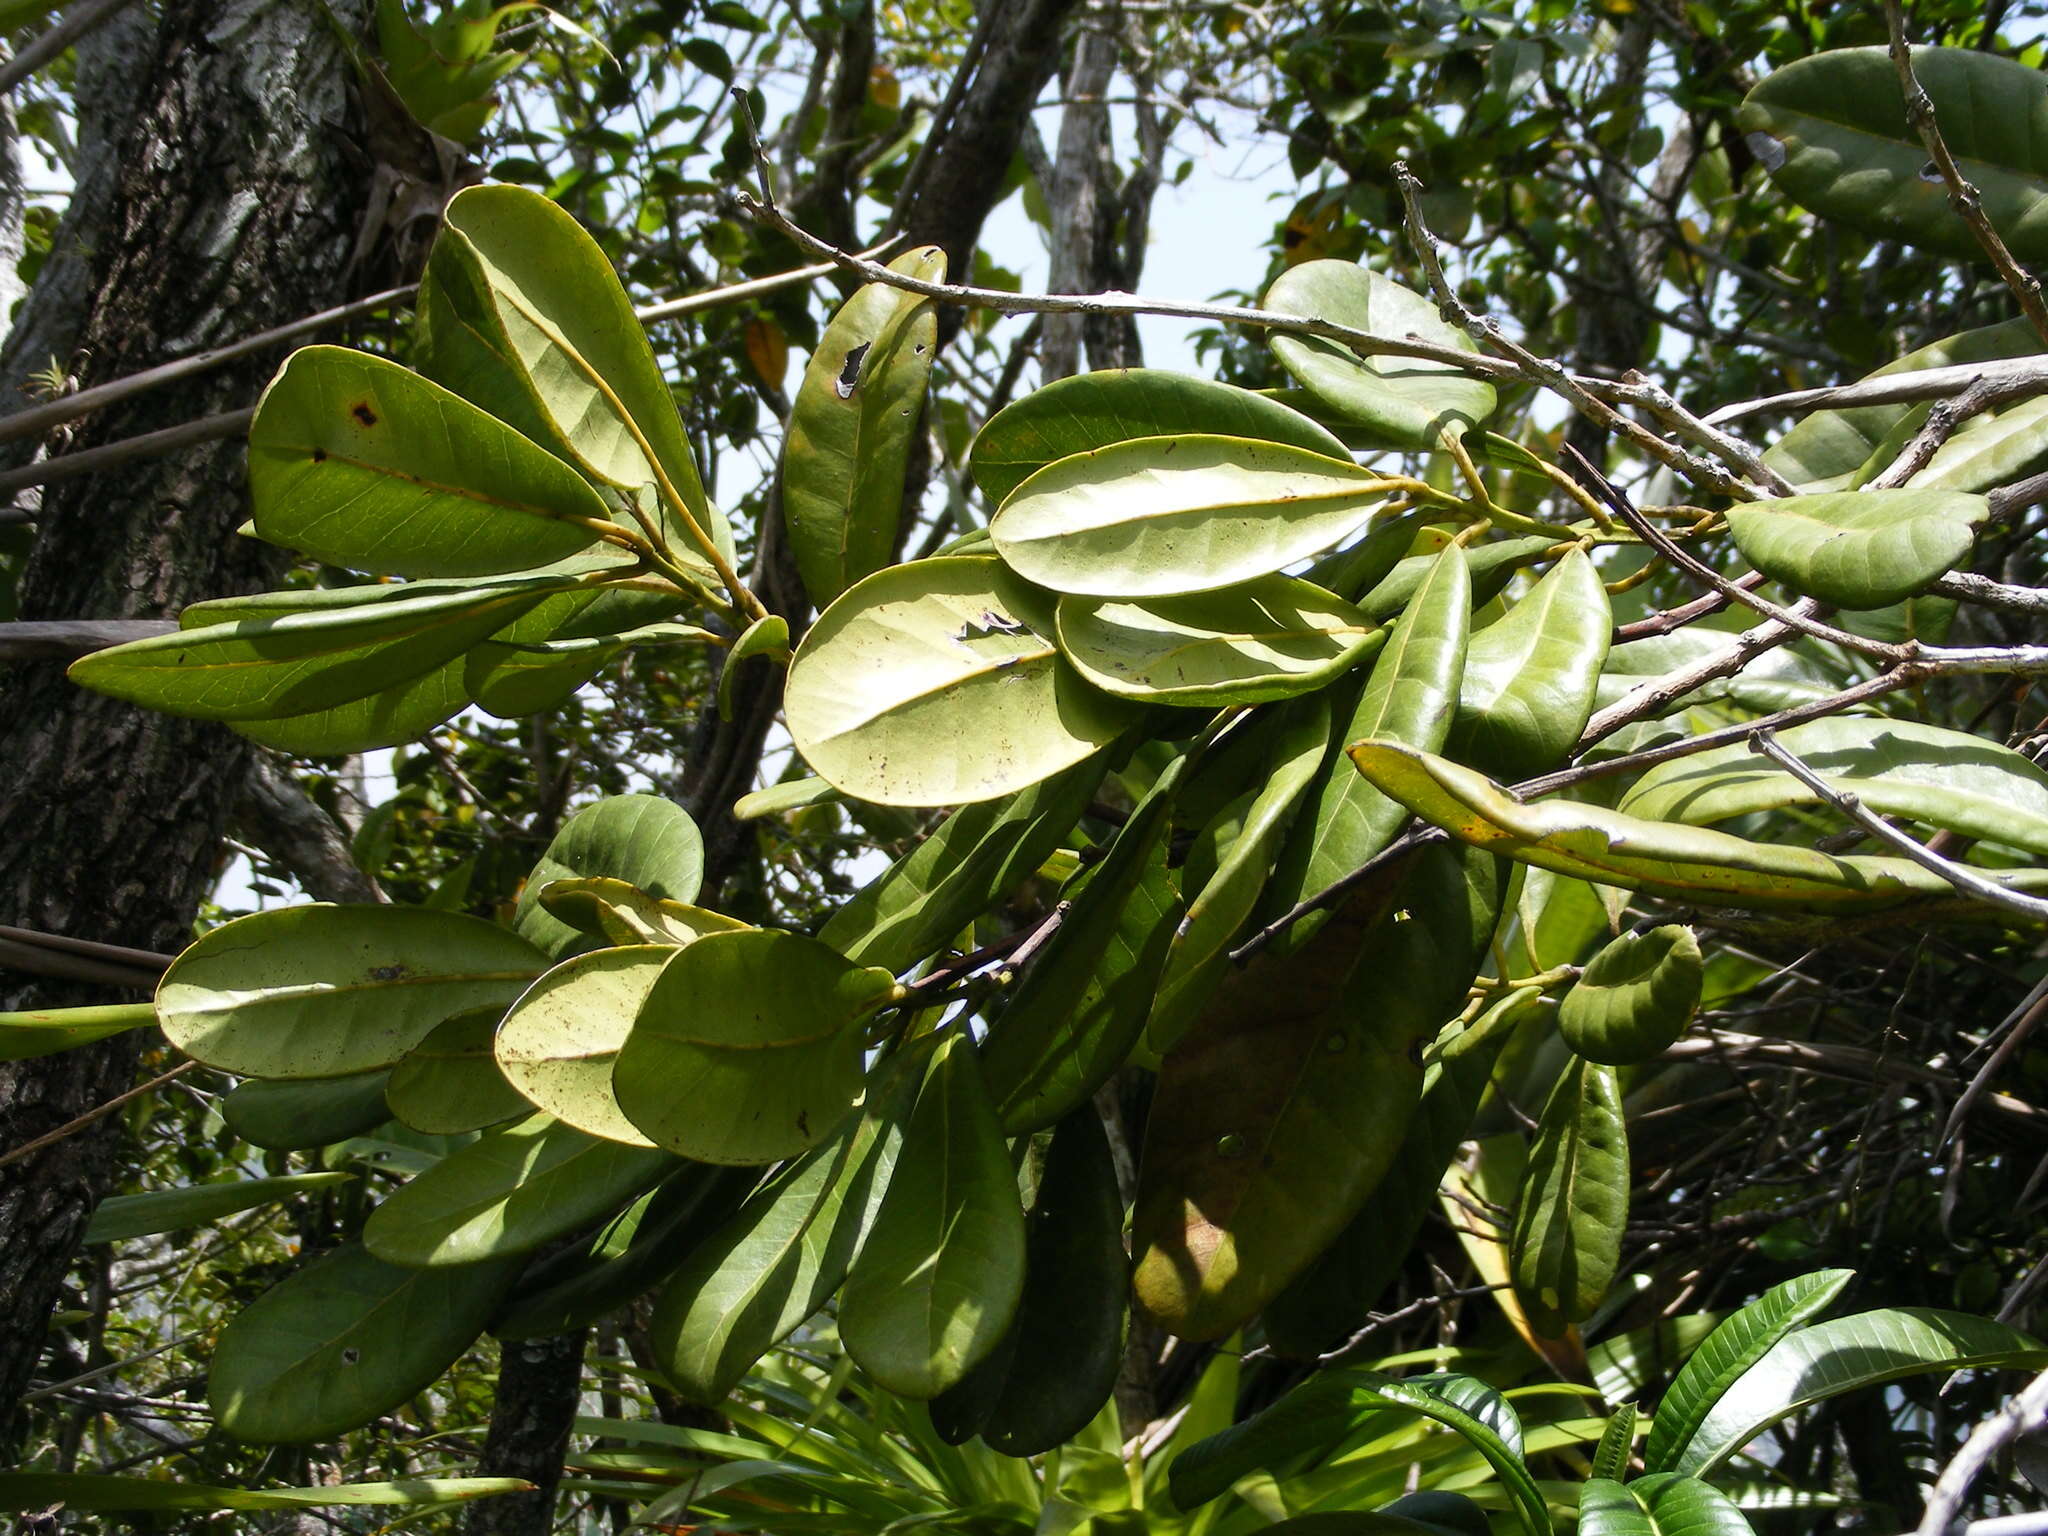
<point>343,1340</point>
<point>1270,639</point>
<point>748,1046</point>
<point>1407,402</point>
<point>1163,516</point>
<point>938,683</point>
<point>323,991</point>
<point>851,426</point>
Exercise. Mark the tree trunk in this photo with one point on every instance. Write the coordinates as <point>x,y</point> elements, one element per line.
<point>540,1387</point>
<point>228,202</point>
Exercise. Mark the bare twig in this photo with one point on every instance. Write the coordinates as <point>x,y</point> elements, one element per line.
<point>2016,1027</point>
<point>2025,375</point>
<point>1962,196</point>
<point>43,49</point>
<point>1961,876</point>
<point>145,445</point>
<point>97,1112</point>
<point>68,639</point>
<point>2021,1415</point>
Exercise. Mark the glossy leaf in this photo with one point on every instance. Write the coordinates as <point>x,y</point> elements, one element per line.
<point>449,1083</point>
<point>851,426</point>
<point>975,856</point>
<point>645,840</point>
<point>1317,1414</point>
<point>1950,779</point>
<point>169,1210</point>
<point>1406,401</point>
<point>1298,742</point>
<point>1617,1442</point>
<point>310,655</point>
<point>768,636</point>
<point>1858,549</point>
<point>46,1031</point>
<point>621,913</point>
<point>1411,697</point>
<point>783,1253</point>
<point>631,1254</point>
<point>1270,639</point>
<point>1573,1208</point>
<point>508,1193</point>
<point>84,1492</point>
<point>1727,1353</point>
<point>953,652</point>
<point>288,1116</point>
<point>1114,405</point>
<point>1635,997</point>
<point>937,1282</point>
<point>747,1048</point>
<point>1491,564</point>
<point>343,1340</point>
<point>359,462</point>
<point>1658,1505</point>
<point>558,1045</point>
<point>1684,863</point>
<point>1832,130</point>
<point>1845,1355</point>
<point>1162,516</point>
<point>322,991</point>
<point>1072,1019</point>
<point>1529,679</point>
<point>528,321</point>
<point>1272,1121</point>
<point>1058,1364</point>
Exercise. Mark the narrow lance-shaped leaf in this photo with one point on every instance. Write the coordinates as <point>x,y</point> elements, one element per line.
<point>46,1031</point>
<point>91,1492</point>
<point>359,462</point>
<point>1574,1201</point>
<point>1162,516</point>
<point>855,416</point>
<point>1114,405</point>
<point>1530,678</point>
<point>938,1280</point>
<point>169,1210</point>
<point>322,991</point>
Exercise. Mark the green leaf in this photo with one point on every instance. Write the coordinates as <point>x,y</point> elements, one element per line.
<point>1272,1121</point>
<point>359,462</point>
<point>1058,1363</point>
<point>1949,779</point>
<point>977,855</point>
<point>1269,639</point>
<point>1491,565</point>
<point>1684,863</point>
<point>1114,405</point>
<point>528,321</point>
<point>1299,741</point>
<point>322,991</point>
<point>1661,1504</point>
<point>507,1193</point>
<point>1162,516</point>
<point>1988,451</point>
<point>46,1031</point>
<point>748,1047</point>
<point>1617,1441</point>
<point>766,636</point>
<point>954,650</point>
<point>1530,678</point>
<point>1727,1353</point>
<point>780,799</point>
<point>1635,997</point>
<point>515,678</point>
<point>856,414</point>
<point>630,1255</point>
<point>1407,402</point>
<point>169,1210</point>
<point>644,840</point>
<point>1858,549</point>
<point>382,719</point>
<point>1848,1353</point>
<point>1316,1415</point>
<point>310,654</point>
<point>1566,1244</point>
<point>1411,697</point>
<point>343,1340</point>
<point>288,1116</point>
<point>90,1492</point>
<point>1832,130</point>
<point>938,1280</point>
<point>621,913</point>
<point>782,1254</point>
<point>1072,1020</point>
<point>449,1084</point>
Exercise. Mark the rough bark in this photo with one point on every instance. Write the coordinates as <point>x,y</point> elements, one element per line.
<point>220,197</point>
<point>280,818</point>
<point>1074,196</point>
<point>540,1386</point>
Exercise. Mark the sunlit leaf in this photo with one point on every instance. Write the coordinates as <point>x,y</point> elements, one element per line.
<point>1858,549</point>
<point>1566,1244</point>
<point>1635,997</point>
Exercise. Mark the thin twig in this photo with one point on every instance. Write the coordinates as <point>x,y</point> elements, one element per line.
<point>2025,374</point>
<point>2015,1027</point>
<point>1962,196</point>
<point>44,48</point>
<point>145,445</point>
<point>2022,1415</point>
<point>98,1112</point>
<point>1961,876</point>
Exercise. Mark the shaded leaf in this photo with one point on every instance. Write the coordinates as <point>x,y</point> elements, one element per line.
<point>169,1210</point>
<point>449,1083</point>
<point>85,1491</point>
<point>1635,997</point>
<point>1566,1244</point>
<point>288,1116</point>
<point>621,913</point>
